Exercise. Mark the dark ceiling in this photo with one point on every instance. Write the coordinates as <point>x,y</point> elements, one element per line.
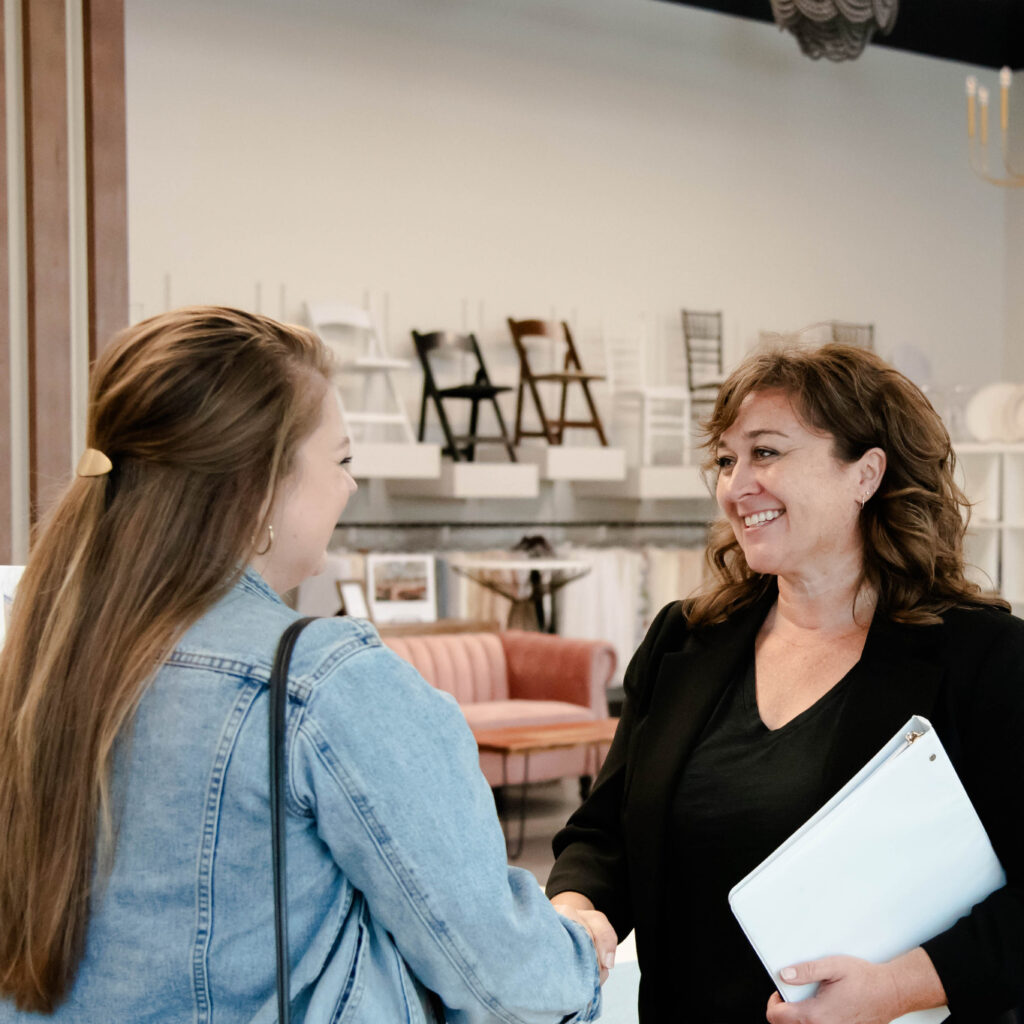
<point>985,32</point>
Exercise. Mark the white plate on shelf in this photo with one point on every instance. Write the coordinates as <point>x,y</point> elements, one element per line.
<point>1015,416</point>
<point>986,412</point>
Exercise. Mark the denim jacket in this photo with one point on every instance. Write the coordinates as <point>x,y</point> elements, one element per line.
<point>397,876</point>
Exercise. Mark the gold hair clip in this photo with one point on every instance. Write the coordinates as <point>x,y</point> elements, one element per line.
<point>93,463</point>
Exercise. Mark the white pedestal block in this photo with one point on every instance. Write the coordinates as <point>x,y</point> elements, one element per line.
<point>474,480</point>
<point>653,483</point>
<point>375,460</point>
<point>563,462</point>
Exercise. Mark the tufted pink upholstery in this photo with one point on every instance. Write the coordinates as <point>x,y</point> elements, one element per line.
<point>518,678</point>
<point>469,666</point>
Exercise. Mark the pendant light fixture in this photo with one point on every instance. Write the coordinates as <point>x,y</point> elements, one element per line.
<point>836,29</point>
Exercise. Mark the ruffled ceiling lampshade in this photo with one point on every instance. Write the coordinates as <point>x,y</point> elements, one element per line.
<point>837,29</point>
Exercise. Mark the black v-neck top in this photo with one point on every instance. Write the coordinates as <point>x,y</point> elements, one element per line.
<point>744,789</point>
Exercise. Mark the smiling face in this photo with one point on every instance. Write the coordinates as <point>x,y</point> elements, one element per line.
<point>793,506</point>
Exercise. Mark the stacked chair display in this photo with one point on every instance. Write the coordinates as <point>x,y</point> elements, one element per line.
<point>349,331</point>
<point>702,337</point>
<point>433,348</point>
<point>525,334</point>
<point>663,410</point>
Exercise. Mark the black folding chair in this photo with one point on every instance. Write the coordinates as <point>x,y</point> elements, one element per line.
<point>439,344</point>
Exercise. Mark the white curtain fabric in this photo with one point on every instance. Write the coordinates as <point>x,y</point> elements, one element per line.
<point>607,603</point>
<point>672,573</point>
<point>625,589</point>
<point>462,598</point>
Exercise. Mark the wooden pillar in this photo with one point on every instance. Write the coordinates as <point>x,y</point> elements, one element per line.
<point>5,320</point>
<point>106,162</point>
<point>62,115</point>
<point>47,243</point>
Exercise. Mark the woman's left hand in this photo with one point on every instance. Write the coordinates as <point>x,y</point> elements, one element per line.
<point>853,991</point>
<point>850,991</point>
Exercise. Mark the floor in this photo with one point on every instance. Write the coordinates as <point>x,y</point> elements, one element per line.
<point>548,805</point>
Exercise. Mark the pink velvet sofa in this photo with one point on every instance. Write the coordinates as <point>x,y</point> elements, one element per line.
<point>515,677</point>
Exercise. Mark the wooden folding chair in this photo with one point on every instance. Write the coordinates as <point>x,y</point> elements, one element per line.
<point>463,446</point>
<point>572,373</point>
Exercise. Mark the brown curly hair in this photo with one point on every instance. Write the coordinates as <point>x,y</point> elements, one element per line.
<point>913,527</point>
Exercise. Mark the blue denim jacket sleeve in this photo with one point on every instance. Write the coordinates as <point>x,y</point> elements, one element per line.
<point>389,769</point>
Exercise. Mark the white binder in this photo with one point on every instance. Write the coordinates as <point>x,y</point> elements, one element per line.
<point>894,858</point>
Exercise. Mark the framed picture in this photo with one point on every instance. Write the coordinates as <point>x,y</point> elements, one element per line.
<point>352,594</point>
<point>401,588</point>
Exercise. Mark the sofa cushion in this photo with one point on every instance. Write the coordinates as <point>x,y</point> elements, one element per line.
<point>469,666</point>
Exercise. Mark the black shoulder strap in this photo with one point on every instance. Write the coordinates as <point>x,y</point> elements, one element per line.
<point>278,781</point>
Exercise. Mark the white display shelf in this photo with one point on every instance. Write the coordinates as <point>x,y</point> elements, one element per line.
<point>377,460</point>
<point>566,462</point>
<point>652,483</point>
<point>473,480</point>
<point>992,477</point>
<point>979,474</point>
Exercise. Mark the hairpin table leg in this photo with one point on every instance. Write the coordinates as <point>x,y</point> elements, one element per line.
<point>513,852</point>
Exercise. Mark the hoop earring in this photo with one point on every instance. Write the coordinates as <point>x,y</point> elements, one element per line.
<point>270,542</point>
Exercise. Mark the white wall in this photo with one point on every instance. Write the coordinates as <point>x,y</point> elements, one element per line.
<point>459,161</point>
<point>1014,357</point>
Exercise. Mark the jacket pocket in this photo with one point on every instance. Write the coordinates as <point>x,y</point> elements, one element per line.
<point>347,1006</point>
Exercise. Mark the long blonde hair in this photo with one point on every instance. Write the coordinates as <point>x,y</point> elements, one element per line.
<point>912,528</point>
<point>201,411</point>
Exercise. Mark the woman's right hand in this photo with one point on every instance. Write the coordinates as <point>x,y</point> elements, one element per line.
<point>576,907</point>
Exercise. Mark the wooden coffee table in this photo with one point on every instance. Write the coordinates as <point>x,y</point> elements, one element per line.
<point>533,739</point>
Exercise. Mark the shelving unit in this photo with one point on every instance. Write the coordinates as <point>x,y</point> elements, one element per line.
<point>472,480</point>
<point>574,463</point>
<point>653,483</point>
<point>383,460</point>
<point>992,476</point>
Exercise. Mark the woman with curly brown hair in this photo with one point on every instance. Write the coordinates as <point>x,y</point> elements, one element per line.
<point>838,608</point>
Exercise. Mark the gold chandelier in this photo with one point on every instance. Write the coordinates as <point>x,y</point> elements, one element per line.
<point>977,131</point>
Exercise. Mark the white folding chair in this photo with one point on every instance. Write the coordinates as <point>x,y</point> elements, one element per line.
<point>663,410</point>
<point>350,333</point>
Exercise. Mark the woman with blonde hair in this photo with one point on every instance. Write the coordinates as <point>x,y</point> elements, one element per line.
<point>135,868</point>
<point>838,608</point>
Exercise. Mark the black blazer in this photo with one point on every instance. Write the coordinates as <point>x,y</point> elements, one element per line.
<point>966,675</point>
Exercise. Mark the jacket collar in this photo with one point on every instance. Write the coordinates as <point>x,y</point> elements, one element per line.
<point>688,686</point>
<point>253,583</point>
